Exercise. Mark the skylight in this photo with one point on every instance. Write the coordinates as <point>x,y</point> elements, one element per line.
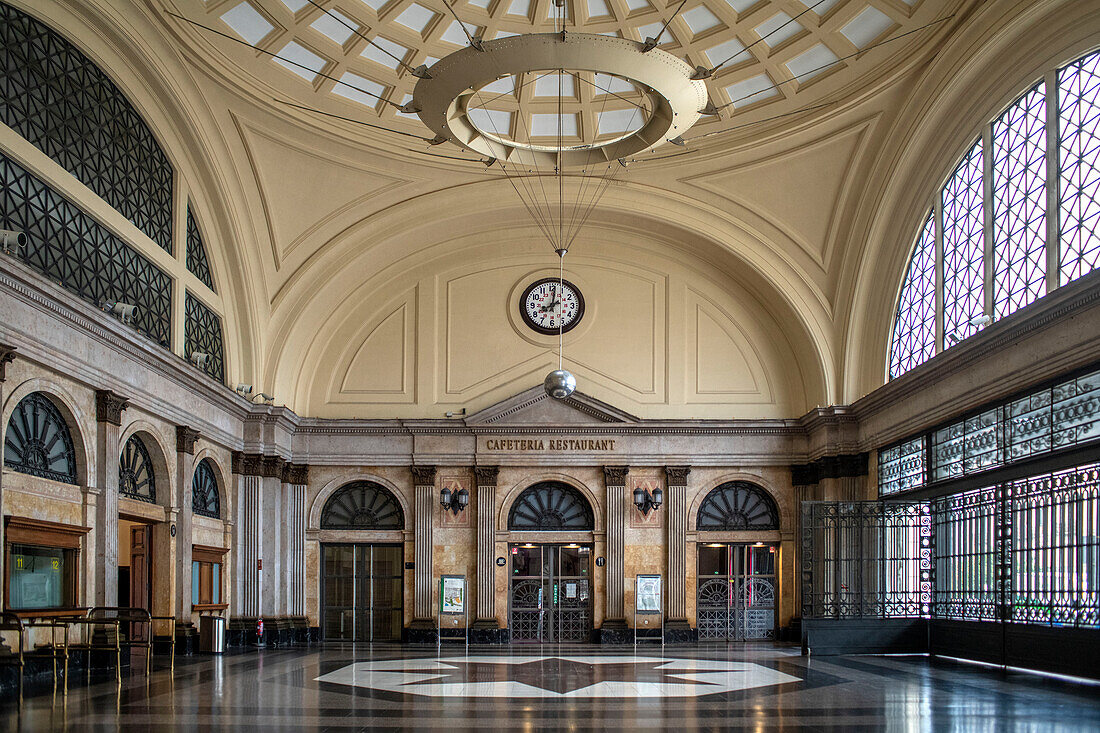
<point>751,90</point>
<point>247,23</point>
<point>416,17</point>
<point>335,26</point>
<point>779,29</point>
<point>301,55</point>
<point>377,52</point>
<point>547,125</point>
<point>356,89</point>
<point>547,86</point>
<point>867,26</point>
<point>809,64</point>
<point>700,19</point>
<point>721,52</point>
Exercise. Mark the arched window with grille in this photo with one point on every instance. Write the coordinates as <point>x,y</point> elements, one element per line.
<point>362,505</point>
<point>136,478</point>
<point>990,247</point>
<point>205,500</point>
<point>737,505</point>
<point>550,506</point>
<point>38,441</point>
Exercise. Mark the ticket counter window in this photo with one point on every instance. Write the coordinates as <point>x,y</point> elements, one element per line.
<point>40,577</point>
<point>206,582</point>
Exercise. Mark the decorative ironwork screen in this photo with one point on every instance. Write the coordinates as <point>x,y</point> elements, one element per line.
<point>550,506</point>
<point>204,491</point>
<point>362,505</point>
<point>1023,551</point>
<point>62,103</point>
<point>136,478</point>
<point>196,252</point>
<point>71,248</point>
<point>203,334</point>
<point>38,441</point>
<point>737,505</point>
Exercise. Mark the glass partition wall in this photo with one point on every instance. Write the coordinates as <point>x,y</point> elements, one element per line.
<point>361,592</point>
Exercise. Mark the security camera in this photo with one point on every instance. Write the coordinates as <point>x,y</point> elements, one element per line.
<point>265,398</point>
<point>954,336</point>
<point>11,241</point>
<point>124,311</point>
<point>244,389</point>
<point>200,359</point>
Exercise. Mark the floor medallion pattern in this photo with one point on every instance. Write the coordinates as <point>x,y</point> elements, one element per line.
<point>556,676</point>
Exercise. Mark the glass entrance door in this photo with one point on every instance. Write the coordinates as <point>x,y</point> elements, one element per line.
<point>550,596</point>
<point>361,592</point>
<point>736,598</point>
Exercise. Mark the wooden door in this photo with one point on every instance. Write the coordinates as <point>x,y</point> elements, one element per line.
<point>140,572</point>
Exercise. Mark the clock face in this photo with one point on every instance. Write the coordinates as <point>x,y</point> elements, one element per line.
<point>547,306</point>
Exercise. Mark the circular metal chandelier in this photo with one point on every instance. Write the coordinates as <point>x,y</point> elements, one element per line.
<point>444,95</point>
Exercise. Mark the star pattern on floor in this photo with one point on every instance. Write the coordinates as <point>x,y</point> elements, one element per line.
<point>482,676</point>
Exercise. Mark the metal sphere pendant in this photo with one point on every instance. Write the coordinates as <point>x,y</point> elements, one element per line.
<point>559,384</point>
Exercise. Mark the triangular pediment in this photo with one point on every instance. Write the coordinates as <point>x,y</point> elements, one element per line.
<point>535,407</point>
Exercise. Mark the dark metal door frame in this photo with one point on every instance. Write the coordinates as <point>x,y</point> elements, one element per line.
<point>539,607</point>
<point>369,580</point>
<point>735,595</point>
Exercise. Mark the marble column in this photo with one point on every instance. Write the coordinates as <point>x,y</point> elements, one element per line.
<point>615,483</point>
<point>185,458</point>
<point>247,540</point>
<point>423,580</point>
<point>273,539</point>
<point>486,531</point>
<point>108,413</point>
<point>676,519</point>
<point>7,355</point>
<point>295,479</point>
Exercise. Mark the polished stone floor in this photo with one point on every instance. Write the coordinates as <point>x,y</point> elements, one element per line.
<point>532,688</point>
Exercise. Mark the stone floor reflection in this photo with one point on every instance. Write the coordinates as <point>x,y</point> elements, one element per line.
<point>740,687</point>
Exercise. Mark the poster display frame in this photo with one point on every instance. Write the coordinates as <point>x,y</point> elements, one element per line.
<point>448,608</point>
<point>644,582</point>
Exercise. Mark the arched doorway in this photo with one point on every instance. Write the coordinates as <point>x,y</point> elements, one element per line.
<point>736,598</point>
<point>550,587</point>
<point>362,585</point>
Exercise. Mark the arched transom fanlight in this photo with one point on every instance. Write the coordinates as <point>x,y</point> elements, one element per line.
<point>135,471</point>
<point>362,505</point>
<point>737,505</point>
<point>38,442</point>
<point>550,506</point>
<point>204,491</point>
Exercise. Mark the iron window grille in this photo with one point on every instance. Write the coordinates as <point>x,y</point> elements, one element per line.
<point>62,103</point>
<point>38,442</point>
<point>197,263</point>
<point>362,505</point>
<point>205,500</point>
<point>203,334</point>
<point>136,478</point>
<point>737,505</point>
<point>550,506</point>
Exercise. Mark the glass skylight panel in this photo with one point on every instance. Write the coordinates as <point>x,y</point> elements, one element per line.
<point>651,30</point>
<point>962,249</point>
<point>295,5</point>
<point>732,47</point>
<point>520,7</point>
<point>300,56</point>
<point>543,125</point>
<point>493,121</point>
<point>820,9</point>
<point>633,5</point>
<point>247,23</point>
<point>742,5</point>
<point>777,29</point>
<point>550,84</point>
<point>416,17</point>
<point>598,9</point>
<point>377,52</point>
<point>336,26</point>
<point>808,64</point>
<point>1019,203</point>
<point>751,90</point>
<point>700,19</point>
<point>619,121</point>
<point>867,26</point>
<point>359,89</point>
<point>375,5</point>
<point>454,34</point>
<point>484,4</point>
<point>608,83</point>
<point>505,34</point>
<point>500,86</point>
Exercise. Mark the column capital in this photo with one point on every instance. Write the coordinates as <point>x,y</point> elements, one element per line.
<point>677,475</point>
<point>486,475</point>
<point>296,473</point>
<point>109,407</point>
<point>7,356</point>
<point>273,467</point>
<point>615,475</point>
<point>185,439</point>
<point>423,475</point>
<point>248,464</point>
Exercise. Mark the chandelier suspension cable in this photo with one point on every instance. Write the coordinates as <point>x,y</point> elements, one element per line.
<point>561,302</point>
<point>356,31</point>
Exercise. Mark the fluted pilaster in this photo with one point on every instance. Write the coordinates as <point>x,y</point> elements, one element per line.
<point>615,483</point>
<point>676,519</point>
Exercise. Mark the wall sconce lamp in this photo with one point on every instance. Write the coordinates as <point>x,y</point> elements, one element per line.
<point>646,501</point>
<point>455,501</point>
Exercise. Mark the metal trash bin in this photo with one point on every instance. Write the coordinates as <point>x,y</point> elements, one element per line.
<point>212,634</point>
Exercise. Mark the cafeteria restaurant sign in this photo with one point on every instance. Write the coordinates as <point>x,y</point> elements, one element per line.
<point>549,445</point>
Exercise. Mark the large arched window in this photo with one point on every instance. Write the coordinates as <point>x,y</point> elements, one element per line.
<point>38,441</point>
<point>737,505</point>
<point>204,491</point>
<point>135,471</point>
<point>362,505</point>
<point>984,248</point>
<point>550,506</point>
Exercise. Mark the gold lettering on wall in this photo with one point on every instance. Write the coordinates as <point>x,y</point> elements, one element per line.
<point>551,445</point>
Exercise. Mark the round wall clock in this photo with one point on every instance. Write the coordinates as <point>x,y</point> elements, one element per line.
<point>544,300</point>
